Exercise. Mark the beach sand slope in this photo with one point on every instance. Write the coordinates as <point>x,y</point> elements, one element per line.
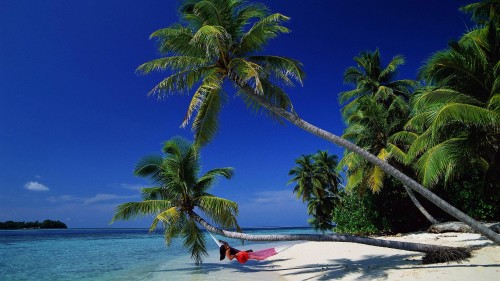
<point>349,261</point>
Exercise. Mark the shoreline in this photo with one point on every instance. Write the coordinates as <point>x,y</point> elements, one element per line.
<point>352,261</point>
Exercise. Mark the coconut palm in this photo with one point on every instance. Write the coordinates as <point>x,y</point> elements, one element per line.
<point>217,43</point>
<point>177,193</point>
<point>371,127</point>
<point>317,183</point>
<point>373,80</point>
<point>303,175</point>
<point>457,119</point>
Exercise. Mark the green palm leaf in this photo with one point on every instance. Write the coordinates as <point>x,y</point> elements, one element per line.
<point>468,115</point>
<point>261,32</point>
<point>168,217</point>
<point>205,124</point>
<point>175,63</point>
<point>130,210</point>
<point>221,211</point>
<point>213,39</point>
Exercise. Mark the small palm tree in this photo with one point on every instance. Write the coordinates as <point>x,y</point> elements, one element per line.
<point>373,80</point>
<point>177,193</point>
<point>217,43</point>
<point>317,183</point>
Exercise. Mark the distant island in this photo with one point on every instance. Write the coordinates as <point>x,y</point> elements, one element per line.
<point>46,224</point>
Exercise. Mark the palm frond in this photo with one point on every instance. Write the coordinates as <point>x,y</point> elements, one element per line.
<point>149,166</point>
<point>175,63</point>
<point>433,164</point>
<point>261,32</point>
<point>396,153</point>
<point>467,115</point>
<point>246,73</point>
<point>210,84</point>
<point>221,211</point>
<point>194,239</point>
<point>387,73</point>
<point>283,68</point>
<point>205,124</point>
<point>209,178</point>
<point>168,217</point>
<point>213,39</point>
<point>131,210</point>
<point>176,39</point>
<point>180,82</point>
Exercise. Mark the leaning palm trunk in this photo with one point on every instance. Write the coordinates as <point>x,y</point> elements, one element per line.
<point>293,118</point>
<point>419,206</point>
<point>433,253</point>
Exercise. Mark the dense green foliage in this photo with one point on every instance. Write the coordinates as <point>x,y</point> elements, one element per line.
<point>46,224</point>
<point>447,135</point>
<point>317,183</point>
<point>178,190</point>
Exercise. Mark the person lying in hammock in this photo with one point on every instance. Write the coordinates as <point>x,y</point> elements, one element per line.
<point>231,253</point>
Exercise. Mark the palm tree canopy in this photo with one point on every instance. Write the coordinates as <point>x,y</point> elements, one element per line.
<point>218,40</point>
<point>178,191</point>
<point>317,183</point>
<point>483,11</point>
<point>457,118</point>
<point>374,110</point>
<point>370,78</point>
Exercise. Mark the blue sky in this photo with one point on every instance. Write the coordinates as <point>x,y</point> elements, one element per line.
<point>75,118</point>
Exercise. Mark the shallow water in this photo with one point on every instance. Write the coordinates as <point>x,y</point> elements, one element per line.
<point>121,254</point>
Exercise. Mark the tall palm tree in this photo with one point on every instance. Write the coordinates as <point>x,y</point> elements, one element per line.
<point>317,183</point>
<point>215,45</point>
<point>373,111</point>
<point>177,193</point>
<point>303,175</point>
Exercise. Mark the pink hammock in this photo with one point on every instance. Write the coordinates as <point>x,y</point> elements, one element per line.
<point>258,255</point>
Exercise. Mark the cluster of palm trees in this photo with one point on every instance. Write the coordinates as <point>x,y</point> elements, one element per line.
<point>317,183</point>
<point>217,41</point>
<point>444,132</point>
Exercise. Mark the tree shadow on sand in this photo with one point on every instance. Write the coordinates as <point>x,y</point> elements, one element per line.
<point>369,268</point>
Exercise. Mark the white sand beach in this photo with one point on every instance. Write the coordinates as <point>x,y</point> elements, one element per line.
<point>349,261</point>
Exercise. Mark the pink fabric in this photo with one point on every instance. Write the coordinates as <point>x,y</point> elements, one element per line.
<point>262,254</point>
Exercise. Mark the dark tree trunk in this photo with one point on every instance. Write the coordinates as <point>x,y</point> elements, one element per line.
<point>419,206</point>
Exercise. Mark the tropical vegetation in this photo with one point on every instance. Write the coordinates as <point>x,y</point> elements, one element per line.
<point>449,138</point>
<point>217,41</point>
<point>317,183</point>
<point>179,190</point>
<point>46,224</point>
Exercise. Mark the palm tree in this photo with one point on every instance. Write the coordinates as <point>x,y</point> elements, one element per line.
<point>373,80</point>
<point>178,191</point>
<point>373,111</point>
<point>457,119</point>
<point>317,182</point>
<point>215,45</point>
<point>303,175</point>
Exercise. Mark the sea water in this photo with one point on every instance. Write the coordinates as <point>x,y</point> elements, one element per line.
<point>123,254</point>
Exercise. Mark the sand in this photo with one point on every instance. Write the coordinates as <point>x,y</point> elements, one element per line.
<point>349,261</point>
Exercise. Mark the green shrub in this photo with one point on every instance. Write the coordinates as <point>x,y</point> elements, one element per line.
<point>355,214</point>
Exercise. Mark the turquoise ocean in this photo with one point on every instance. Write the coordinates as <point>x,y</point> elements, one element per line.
<point>124,254</point>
